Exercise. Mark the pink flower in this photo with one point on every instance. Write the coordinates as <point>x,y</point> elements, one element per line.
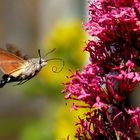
<point>112,74</point>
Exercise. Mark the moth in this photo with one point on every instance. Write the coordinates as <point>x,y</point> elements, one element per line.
<point>18,68</point>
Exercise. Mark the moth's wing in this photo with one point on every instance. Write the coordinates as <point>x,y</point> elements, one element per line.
<point>10,63</point>
<point>11,48</point>
<point>14,50</point>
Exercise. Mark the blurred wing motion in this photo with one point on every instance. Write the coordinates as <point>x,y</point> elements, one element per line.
<point>10,64</point>
<point>14,50</point>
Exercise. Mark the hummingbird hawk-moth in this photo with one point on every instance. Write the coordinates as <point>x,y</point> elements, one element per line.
<point>19,68</point>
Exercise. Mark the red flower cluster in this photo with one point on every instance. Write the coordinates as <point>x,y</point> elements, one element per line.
<point>105,83</point>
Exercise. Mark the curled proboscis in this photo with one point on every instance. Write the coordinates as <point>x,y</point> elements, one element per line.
<point>54,68</point>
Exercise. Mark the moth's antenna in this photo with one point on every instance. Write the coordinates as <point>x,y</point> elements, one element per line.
<point>54,68</point>
<point>50,52</point>
<point>39,56</point>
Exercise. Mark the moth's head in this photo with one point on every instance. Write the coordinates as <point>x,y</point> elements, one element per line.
<point>43,61</point>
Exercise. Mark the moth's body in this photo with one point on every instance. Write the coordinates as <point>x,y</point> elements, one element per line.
<point>18,69</point>
<point>30,68</point>
<point>25,72</point>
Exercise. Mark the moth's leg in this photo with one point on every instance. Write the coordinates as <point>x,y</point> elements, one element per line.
<point>24,81</point>
<point>20,83</point>
<point>18,79</point>
<point>27,79</point>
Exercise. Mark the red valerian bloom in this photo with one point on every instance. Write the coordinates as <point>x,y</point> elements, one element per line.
<point>116,26</point>
<point>106,94</point>
<point>112,74</point>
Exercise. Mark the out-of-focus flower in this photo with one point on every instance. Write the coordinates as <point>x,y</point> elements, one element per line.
<point>105,84</point>
<point>68,38</point>
<point>67,121</point>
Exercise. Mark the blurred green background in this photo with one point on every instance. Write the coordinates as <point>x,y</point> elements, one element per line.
<point>37,110</point>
